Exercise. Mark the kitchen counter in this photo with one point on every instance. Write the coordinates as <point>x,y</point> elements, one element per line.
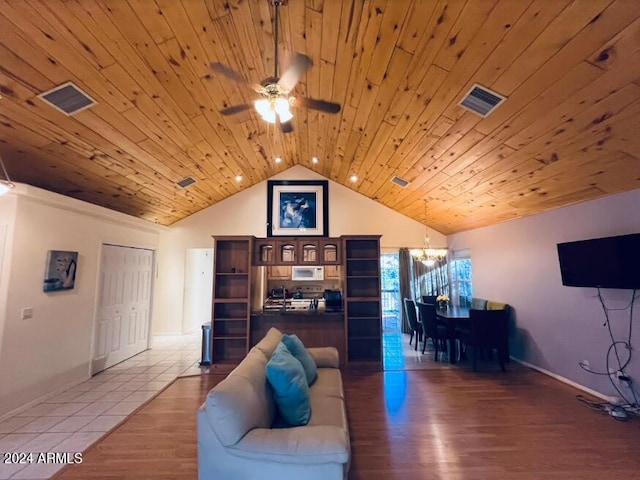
<point>314,328</point>
<point>306,313</point>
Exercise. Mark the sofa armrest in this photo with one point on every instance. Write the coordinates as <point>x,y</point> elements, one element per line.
<point>315,444</point>
<point>325,357</point>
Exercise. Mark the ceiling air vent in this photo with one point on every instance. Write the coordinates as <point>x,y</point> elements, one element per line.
<point>401,182</point>
<point>481,100</point>
<point>68,98</point>
<point>185,182</point>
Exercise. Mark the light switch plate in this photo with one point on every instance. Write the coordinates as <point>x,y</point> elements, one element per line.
<point>26,313</point>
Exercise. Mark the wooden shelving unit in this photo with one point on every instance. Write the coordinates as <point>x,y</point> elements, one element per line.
<point>231,299</point>
<point>363,310</point>
<point>352,259</point>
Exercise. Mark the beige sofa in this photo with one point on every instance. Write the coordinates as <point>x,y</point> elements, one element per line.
<point>238,441</point>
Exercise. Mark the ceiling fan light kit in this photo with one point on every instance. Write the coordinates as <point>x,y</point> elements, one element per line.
<point>276,102</point>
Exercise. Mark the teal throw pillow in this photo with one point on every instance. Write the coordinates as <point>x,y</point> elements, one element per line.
<point>298,350</point>
<point>290,389</point>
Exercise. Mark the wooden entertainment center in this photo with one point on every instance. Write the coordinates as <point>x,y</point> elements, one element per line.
<point>240,270</point>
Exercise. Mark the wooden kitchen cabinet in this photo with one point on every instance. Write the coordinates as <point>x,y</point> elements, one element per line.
<point>278,272</point>
<point>330,251</point>
<point>332,272</point>
<point>297,251</point>
<point>264,251</point>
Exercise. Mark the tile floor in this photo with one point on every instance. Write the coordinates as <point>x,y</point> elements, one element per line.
<point>72,420</point>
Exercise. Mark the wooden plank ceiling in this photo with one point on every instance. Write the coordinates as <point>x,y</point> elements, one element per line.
<point>567,132</point>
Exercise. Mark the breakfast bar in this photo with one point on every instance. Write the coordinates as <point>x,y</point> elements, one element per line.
<point>314,328</point>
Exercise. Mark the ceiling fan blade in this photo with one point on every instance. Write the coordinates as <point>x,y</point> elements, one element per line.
<point>227,72</point>
<point>230,73</point>
<point>286,127</point>
<point>298,67</point>
<point>235,109</point>
<point>321,105</point>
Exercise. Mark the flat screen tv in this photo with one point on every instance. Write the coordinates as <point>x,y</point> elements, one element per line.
<point>611,262</point>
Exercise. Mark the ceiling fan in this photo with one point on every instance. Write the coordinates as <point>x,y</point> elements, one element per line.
<point>276,100</point>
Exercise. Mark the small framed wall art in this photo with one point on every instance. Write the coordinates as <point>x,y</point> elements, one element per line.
<point>60,271</point>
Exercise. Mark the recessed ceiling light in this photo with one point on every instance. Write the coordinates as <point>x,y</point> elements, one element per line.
<point>239,178</point>
<point>354,178</point>
<point>314,159</point>
<point>278,159</point>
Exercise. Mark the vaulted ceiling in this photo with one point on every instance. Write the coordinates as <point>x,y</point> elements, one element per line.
<point>566,133</point>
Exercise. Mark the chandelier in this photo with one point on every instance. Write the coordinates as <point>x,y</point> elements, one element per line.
<point>427,255</point>
<point>5,184</point>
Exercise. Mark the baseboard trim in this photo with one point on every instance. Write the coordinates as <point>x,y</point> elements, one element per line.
<point>563,379</point>
<point>42,398</point>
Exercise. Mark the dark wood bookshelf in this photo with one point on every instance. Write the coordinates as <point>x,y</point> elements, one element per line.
<point>363,310</point>
<point>231,299</point>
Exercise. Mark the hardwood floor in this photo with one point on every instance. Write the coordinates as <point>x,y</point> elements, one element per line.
<point>421,424</point>
<point>457,424</point>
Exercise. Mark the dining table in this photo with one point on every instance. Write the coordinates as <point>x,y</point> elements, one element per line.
<point>453,318</point>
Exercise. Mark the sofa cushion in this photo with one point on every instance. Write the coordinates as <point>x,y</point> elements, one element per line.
<point>328,411</point>
<point>234,407</point>
<point>328,384</point>
<point>325,357</point>
<point>290,388</point>
<point>297,349</point>
<point>308,445</point>
<point>269,343</point>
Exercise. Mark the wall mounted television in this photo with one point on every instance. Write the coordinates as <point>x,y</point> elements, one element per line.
<point>611,262</point>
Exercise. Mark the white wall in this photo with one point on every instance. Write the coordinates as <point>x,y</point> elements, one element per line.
<point>198,285</point>
<point>556,326</point>
<point>53,349</point>
<point>245,214</point>
<point>8,208</point>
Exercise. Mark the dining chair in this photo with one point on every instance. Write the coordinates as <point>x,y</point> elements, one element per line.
<point>430,328</point>
<point>478,303</point>
<point>491,305</point>
<point>429,299</point>
<point>412,317</point>
<point>488,331</point>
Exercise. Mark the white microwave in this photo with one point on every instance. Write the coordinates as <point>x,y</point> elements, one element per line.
<point>310,273</point>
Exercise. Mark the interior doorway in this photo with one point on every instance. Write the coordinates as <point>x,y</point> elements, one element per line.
<point>198,288</point>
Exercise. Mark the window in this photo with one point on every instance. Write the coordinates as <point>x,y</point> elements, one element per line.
<point>461,277</point>
<point>434,282</point>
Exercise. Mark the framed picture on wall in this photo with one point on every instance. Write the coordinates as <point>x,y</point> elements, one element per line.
<point>60,271</point>
<point>297,208</point>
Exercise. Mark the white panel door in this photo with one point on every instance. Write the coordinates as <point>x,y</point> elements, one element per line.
<point>124,305</point>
